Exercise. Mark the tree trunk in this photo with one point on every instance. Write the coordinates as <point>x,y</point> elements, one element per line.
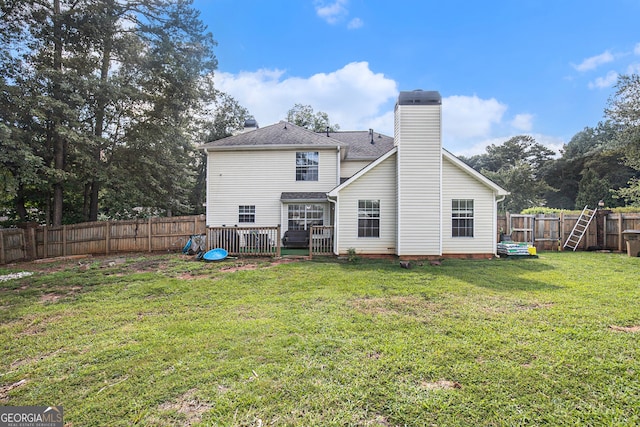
<point>58,141</point>
<point>100,115</point>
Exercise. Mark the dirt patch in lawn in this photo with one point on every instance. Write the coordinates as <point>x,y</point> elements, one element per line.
<point>635,328</point>
<point>440,385</point>
<point>5,389</point>
<point>189,406</point>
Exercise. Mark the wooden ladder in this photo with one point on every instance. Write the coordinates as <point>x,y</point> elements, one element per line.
<point>580,228</point>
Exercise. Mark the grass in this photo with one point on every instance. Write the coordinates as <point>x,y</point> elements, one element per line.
<point>164,341</point>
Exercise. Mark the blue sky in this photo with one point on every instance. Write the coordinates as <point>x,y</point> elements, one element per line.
<point>544,68</point>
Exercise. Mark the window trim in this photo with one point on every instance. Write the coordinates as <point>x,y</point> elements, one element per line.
<point>309,167</point>
<point>246,214</point>
<point>306,208</point>
<point>369,218</point>
<point>462,218</point>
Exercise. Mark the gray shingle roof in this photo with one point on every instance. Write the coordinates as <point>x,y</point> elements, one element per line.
<point>357,143</point>
<point>282,133</point>
<point>360,146</point>
<point>303,196</point>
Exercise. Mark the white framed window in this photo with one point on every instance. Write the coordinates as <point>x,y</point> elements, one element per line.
<point>307,165</point>
<point>462,218</point>
<point>301,217</point>
<point>246,213</point>
<point>368,218</point>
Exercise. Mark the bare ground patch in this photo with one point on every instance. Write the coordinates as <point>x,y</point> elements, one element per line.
<point>5,389</point>
<point>630,329</point>
<point>440,385</point>
<point>188,405</point>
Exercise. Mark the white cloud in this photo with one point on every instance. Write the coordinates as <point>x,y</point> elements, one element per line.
<point>355,23</point>
<point>636,50</point>
<point>604,82</point>
<point>332,12</point>
<point>594,61</point>
<point>357,98</point>
<point>470,117</point>
<point>354,97</point>
<point>523,122</point>
<point>633,69</point>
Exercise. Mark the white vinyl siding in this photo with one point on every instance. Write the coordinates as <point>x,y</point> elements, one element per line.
<point>459,185</point>
<point>258,178</point>
<point>417,137</point>
<point>351,167</point>
<point>379,183</point>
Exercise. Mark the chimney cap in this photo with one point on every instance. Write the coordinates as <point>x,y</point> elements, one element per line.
<point>251,123</point>
<point>420,97</point>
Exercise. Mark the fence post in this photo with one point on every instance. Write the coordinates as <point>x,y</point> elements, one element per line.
<point>107,237</point>
<point>33,243</point>
<point>150,244</point>
<point>620,224</point>
<point>64,240</point>
<point>278,248</point>
<point>45,242</point>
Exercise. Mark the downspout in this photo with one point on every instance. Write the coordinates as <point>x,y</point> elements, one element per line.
<point>335,224</point>
<point>495,222</point>
<point>339,166</point>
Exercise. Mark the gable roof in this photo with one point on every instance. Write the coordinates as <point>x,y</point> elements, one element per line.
<point>336,190</point>
<point>445,155</point>
<point>364,145</point>
<point>474,173</point>
<point>272,137</point>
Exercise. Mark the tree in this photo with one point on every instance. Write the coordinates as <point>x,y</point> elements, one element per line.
<point>224,117</point>
<point>518,166</point>
<point>624,110</point>
<point>594,150</point>
<point>519,179</point>
<point>303,116</point>
<point>104,92</point>
<point>592,189</point>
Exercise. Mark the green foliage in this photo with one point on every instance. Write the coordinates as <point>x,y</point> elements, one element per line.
<point>624,110</point>
<point>303,116</point>
<point>591,190</point>
<point>516,165</point>
<point>544,211</point>
<point>103,95</point>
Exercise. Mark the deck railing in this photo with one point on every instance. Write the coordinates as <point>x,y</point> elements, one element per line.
<point>257,241</point>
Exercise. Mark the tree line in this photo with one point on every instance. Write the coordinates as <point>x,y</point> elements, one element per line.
<point>103,103</point>
<point>598,164</point>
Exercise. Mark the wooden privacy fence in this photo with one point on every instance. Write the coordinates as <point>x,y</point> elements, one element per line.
<point>549,232</point>
<point>98,238</point>
<point>546,232</point>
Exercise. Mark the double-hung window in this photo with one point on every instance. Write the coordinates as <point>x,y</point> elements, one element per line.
<point>368,218</point>
<point>307,166</point>
<point>247,213</point>
<point>462,218</point>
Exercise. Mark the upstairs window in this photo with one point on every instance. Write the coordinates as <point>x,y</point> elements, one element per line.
<point>247,213</point>
<point>307,166</point>
<point>462,218</point>
<point>368,218</point>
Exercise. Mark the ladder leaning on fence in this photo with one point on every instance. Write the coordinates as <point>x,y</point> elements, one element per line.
<point>580,228</point>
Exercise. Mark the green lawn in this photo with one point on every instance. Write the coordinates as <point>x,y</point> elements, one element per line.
<point>164,340</point>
